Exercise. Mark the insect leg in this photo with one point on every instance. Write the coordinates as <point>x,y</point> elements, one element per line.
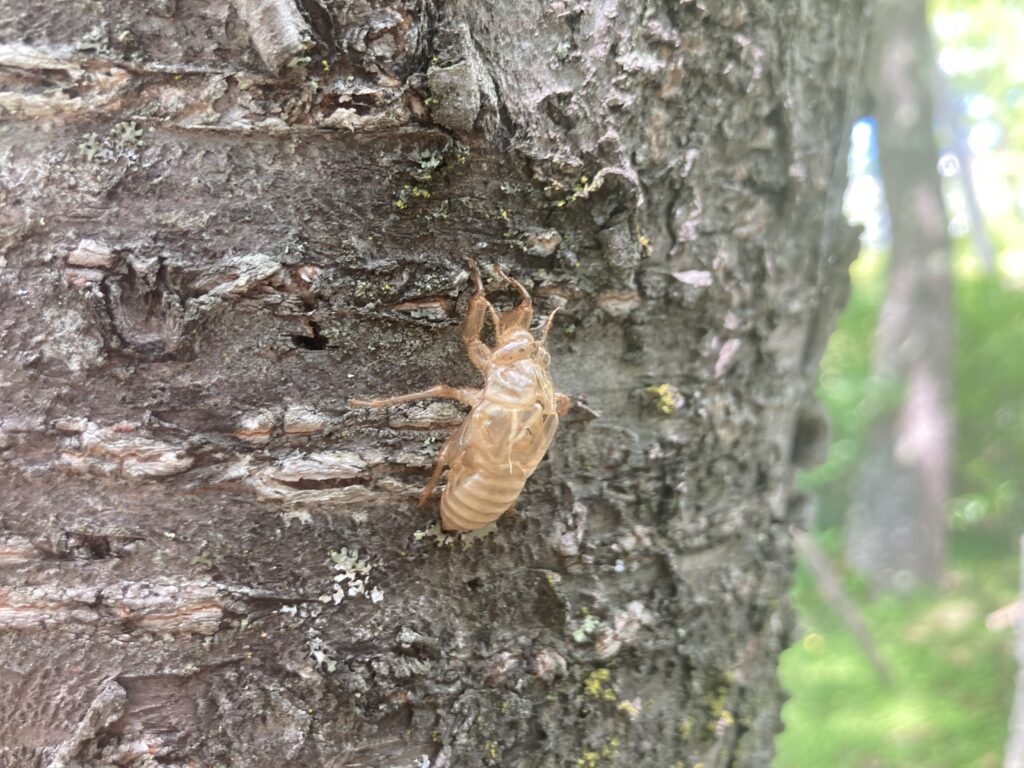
<point>428,490</point>
<point>462,394</point>
<point>442,461</point>
<point>562,404</point>
<point>518,286</point>
<point>521,316</point>
<point>478,352</point>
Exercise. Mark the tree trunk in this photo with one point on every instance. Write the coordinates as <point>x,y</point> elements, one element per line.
<point>896,527</point>
<point>221,221</point>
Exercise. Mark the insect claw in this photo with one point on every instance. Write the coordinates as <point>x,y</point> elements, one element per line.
<point>516,284</point>
<point>426,496</point>
<point>475,272</point>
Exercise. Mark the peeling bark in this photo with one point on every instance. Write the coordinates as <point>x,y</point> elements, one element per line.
<point>211,239</point>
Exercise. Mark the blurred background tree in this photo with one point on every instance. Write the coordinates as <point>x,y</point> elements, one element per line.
<point>896,524</point>
<point>948,646</point>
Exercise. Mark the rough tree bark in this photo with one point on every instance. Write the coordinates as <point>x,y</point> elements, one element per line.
<point>220,221</point>
<point>896,526</point>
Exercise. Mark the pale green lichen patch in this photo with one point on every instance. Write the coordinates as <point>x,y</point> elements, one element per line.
<point>430,161</point>
<point>121,142</point>
<point>720,718</point>
<point>669,398</point>
<point>631,708</point>
<point>586,628</point>
<point>126,135</point>
<point>598,685</point>
<point>431,166</point>
<point>563,194</point>
<point>89,146</point>
<point>595,757</point>
<point>408,194</point>
<point>351,578</point>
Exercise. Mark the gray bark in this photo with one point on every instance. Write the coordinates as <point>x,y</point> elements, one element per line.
<point>222,221</point>
<point>896,526</point>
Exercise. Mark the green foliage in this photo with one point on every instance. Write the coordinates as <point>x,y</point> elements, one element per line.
<point>948,704</point>
<point>949,701</point>
<point>989,397</point>
<point>979,47</point>
<point>989,402</point>
<point>850,394</point>
<point>978,44</point>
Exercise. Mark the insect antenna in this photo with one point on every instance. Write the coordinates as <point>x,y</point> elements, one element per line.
<point>547,326</point>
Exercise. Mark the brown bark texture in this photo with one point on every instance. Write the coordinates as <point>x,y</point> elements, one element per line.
<point>220,221</point>
<point>896,527</point>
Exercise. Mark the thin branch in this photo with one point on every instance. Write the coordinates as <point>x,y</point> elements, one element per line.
<point>831,588</point>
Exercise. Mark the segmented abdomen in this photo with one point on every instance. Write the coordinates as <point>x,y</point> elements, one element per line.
<point>475,498</point>
<point>498,447</point>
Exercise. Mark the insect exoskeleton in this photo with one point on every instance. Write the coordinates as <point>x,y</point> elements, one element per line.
<point>512,420</point>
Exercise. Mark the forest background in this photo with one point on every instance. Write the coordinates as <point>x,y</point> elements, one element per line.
<point>948,651</point>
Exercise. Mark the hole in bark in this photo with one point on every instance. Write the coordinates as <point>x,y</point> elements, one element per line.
<point>316,341</point>
<point>362,104</point>
<point>475,583</point>
<point>557,107</point>
<point>321,21</point>
<point>84,546</point>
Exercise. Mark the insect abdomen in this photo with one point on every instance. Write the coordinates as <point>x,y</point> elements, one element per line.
<point>475,498</point>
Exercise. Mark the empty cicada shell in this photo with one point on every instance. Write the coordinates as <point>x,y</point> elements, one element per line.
<point>513,418</point>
